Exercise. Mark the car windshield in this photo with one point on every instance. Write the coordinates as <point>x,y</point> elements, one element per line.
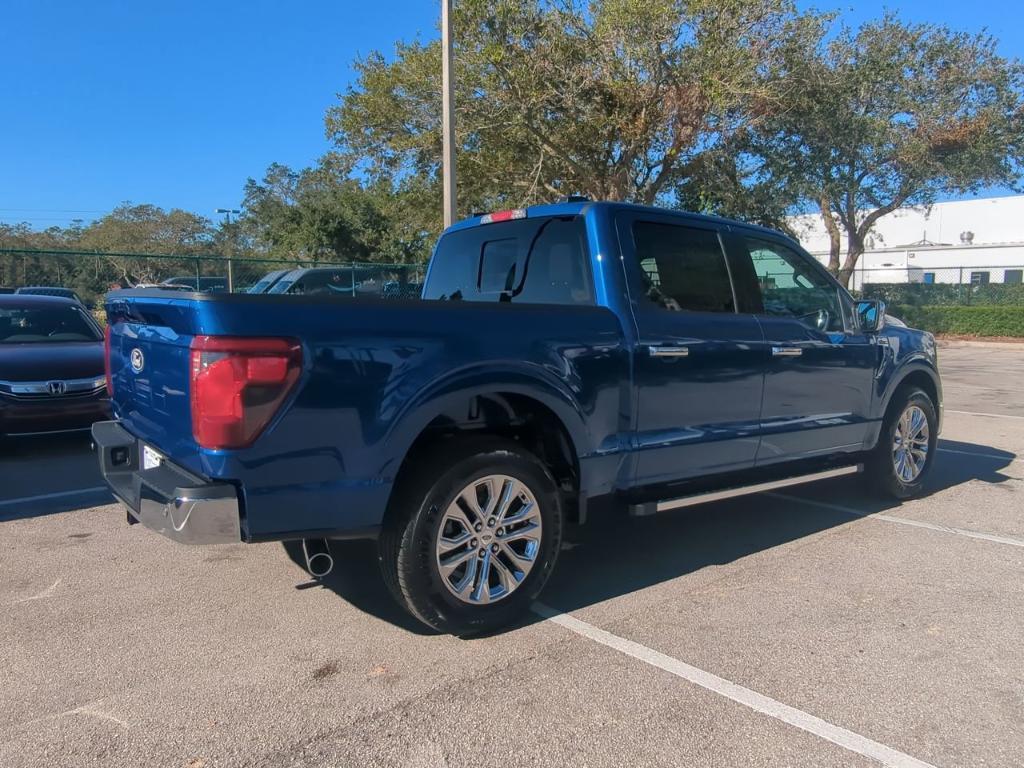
<point>281,286</point>
<point>33,325</point>
<point>261,286</point>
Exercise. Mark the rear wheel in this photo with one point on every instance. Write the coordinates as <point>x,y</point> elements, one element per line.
<point>472,536</point>
<point>904,455</point>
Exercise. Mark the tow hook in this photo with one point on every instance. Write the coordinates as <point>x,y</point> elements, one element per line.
<point>317,552</point>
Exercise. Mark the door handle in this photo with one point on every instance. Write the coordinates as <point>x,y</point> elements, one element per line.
<point>668,351</point>
<point>786,351</point>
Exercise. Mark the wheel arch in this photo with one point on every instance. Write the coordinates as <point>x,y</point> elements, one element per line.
<point>541,415</point>
<point>920,376</point>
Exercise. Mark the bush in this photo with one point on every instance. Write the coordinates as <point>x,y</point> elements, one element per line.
<point>970,321</point>
<point>935,294</point>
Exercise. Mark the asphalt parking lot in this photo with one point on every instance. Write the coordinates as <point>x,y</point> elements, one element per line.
<point>818,627</point>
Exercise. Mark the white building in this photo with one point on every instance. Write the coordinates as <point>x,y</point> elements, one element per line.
<point>963,241</point>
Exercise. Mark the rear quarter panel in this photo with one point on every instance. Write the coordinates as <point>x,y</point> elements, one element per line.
<point>375,373</point>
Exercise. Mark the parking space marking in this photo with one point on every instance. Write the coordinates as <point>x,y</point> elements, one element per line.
<point>91,709</point>
<point>990,415</point>
<point>1007,459</point>
<point>903,520</point>
<point>766,705</point>
<point>40,595</point>
<point>45,496</point>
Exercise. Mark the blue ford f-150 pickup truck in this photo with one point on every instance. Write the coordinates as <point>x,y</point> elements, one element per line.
<point>562,357</point>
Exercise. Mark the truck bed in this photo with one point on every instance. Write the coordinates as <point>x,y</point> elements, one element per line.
<point>326,461</point>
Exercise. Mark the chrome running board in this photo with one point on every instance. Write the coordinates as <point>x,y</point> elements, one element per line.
<point>640,510</point>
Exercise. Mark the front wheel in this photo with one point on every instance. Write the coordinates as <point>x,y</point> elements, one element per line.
<point>473,536</point>
<point>906,447</point>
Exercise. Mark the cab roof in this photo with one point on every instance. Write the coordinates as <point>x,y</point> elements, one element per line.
<point>581,207</point>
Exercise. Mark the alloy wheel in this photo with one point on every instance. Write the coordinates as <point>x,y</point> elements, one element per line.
<point>489,539</point>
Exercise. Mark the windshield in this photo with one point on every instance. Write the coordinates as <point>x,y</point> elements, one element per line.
<point>281,286</point>
<point>33,325</point>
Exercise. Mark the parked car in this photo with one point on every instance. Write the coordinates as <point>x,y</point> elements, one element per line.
<point>49,290</point>
<point>201,284</point>
<point>51,366</point>
<point>344,281</point>
<point>266,282</point>
<point>564,358</point>
<point>394,289</point>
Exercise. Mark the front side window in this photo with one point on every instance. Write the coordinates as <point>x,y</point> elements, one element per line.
<point>683,268</point>
<point>791,287</point>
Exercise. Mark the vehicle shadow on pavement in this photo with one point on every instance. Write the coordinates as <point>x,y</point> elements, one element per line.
<point>614,555</point>
<point>356,579</point>
<point>46,474</point>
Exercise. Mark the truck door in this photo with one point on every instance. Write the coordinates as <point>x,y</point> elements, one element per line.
<point>698,363</point>
<point>818,384</point>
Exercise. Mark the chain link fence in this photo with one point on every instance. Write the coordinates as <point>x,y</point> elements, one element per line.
<point>983,301</point>
<point>942,286</point>
<point>968,300</point>
<point>91,274</point>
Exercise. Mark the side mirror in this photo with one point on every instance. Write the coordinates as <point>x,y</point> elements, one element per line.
<point>872,315</point>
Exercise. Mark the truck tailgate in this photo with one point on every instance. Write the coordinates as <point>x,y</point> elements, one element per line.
<point>149,363</point>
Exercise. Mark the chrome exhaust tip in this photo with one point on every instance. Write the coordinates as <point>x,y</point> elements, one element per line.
<point>319,562</point>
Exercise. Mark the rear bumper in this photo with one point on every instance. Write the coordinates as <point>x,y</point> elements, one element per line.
<point>166,499</point>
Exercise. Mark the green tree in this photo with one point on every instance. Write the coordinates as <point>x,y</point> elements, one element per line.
<point>321,213</point>
<point>615,99</point>
<point>147,229</point>
<point>890,115</point>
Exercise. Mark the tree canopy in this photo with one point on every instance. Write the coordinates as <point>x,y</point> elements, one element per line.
<point>892,114</point>
<point>320,213</point>
<point>615,99</point>
<point>746,108</point>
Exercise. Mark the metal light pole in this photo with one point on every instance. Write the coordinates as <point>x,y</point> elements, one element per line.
<point>447,114</point>
<point>231,272</point>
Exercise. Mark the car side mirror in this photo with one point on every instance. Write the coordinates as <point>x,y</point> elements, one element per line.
<point>872,315</point>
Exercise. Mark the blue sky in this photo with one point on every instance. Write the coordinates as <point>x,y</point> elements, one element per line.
<point>178,103</point>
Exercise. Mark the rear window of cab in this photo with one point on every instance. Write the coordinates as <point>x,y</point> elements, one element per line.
<point>527,261</point>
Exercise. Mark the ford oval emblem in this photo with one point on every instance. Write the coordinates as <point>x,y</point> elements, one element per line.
<point>138,361</point>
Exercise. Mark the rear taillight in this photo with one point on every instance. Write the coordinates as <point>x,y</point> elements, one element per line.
<point>106,361</point>
<point>237,386</point>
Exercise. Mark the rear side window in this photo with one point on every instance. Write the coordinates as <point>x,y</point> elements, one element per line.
<point>535,261</point>
<point>683,268</point>
<point>557,270</point>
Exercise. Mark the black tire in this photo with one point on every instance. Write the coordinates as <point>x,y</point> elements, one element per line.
<point>881,465</point>
<point>408,557</point>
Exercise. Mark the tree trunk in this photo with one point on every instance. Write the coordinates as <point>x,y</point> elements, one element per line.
<point>854,249</point>
<point>833,234</point>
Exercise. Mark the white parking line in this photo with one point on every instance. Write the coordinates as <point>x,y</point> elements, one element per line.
<point>990,415</point>
<point>1008,459</point>
<point>759,702</point>
<point>903,520</point>
<point>39,595</point>
<point>44,496</point>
